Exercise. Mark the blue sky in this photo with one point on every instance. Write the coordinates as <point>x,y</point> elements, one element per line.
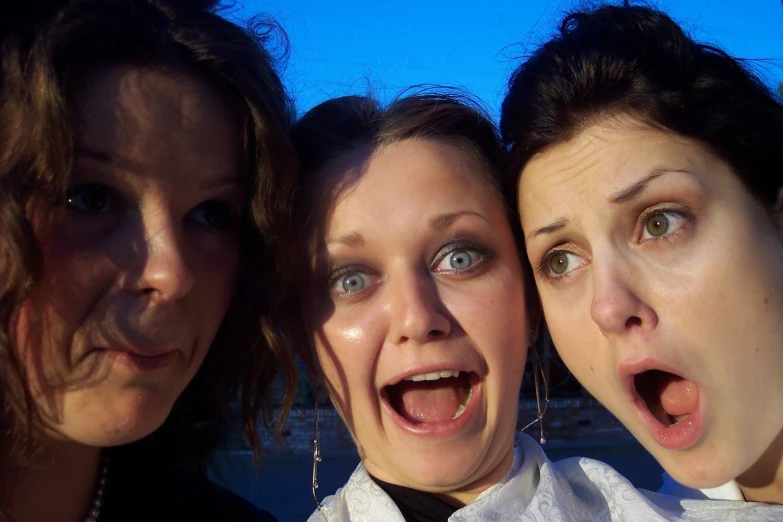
<point>349,47</point>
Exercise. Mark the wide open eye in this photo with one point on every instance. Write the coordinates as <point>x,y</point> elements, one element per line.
<point>349,283</point>
<point>662,223</point>
<point>458,260</point>
<point>92,198</point>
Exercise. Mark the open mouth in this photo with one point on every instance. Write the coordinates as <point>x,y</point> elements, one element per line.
<point>669,397</point>
<point>431,397</point>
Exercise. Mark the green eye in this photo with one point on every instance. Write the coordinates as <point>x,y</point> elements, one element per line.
<point>657,225</point>
<point>558,263</point>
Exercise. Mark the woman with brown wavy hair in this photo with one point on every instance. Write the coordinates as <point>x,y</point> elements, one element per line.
<point>144,169</point>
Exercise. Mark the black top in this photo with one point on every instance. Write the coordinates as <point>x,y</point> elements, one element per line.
<point>415,505</point>
<point>172,497</point>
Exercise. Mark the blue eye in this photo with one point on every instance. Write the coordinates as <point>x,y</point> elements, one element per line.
<point>348,283</point>
<point>458,260</point>
<point>352,282</point>
<point>91,198</point>
<point>213,214</point>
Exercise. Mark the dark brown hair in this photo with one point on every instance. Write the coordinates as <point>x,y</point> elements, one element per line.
<point>636,60</point>
<point>47,49</point>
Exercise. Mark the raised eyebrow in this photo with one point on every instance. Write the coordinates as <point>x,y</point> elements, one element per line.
<point>444,221</point>
<point>548,229</point>
<point>629,193</point>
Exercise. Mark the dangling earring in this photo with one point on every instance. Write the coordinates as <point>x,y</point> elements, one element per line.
<point>316,449</point>
<point>537,369</point>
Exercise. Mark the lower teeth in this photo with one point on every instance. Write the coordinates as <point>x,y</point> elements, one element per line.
<point>464,405</point>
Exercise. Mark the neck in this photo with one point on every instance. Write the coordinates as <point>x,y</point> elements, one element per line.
<point>763,482</point>
<point>467,494</point>
<point>58,485</point>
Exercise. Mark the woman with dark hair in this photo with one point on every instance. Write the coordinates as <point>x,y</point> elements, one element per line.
<point>418,315</point>
<point>145,176</point>
<point>648,169</point>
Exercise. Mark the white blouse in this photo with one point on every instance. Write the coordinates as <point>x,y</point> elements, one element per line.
<point>537,489</point>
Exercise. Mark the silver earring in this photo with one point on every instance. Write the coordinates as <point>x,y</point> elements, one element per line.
<point>537,369</point>
<point>316,450</point>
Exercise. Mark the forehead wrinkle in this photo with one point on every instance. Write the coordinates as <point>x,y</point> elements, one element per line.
<point>573,167</point>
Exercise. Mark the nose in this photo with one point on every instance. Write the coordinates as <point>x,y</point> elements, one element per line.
<point>617,307</point>
<point>418,314</point>
<point>162,270</point>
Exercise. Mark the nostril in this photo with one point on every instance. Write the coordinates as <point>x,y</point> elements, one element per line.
<point>633,321</point>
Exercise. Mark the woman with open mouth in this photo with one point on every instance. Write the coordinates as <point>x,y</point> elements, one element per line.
<point>419,317</point>
<point>648,173</point>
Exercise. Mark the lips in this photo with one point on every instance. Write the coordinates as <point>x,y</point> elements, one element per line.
<point>667,401</point>
<point>432,402</point>
<point>138,360</point>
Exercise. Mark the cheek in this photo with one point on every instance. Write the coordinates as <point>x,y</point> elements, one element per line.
<point>217,275</point>
<point>347,347</point>
<point>577,341</point>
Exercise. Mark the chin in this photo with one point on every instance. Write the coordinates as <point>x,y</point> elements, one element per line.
<point>126,419</point>
<point>439,473</point>
<point>699,469</point>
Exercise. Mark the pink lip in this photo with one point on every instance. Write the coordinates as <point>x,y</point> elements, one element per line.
<point>136,361</point>
<point>680,436</point>
<point>439,429</point>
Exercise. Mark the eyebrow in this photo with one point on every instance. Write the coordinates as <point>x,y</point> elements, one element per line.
<point>108,158</point>
<point>222,181</point>
<point>548,229</point>
<point>627,194</point>
<point>440,222</point>
<point>353,239</point>
<point>621,196</point>
<point>129,165</point>
<point>444,221</point>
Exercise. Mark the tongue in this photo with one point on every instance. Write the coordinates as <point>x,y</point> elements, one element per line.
<point>429,401</point>
<point>678,396</point>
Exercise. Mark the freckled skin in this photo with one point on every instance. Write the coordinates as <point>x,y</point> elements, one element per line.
<point>691,298</point>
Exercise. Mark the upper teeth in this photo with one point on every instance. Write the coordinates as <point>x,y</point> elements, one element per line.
<point>433,376</point>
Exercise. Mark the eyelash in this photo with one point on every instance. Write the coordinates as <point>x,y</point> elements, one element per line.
<point>679,210</point>
<point>460,245</point>
<point>336,273</point>
<point>542,267</point>
<point>226,217</point>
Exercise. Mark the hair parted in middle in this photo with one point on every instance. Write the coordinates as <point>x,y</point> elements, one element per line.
<point>48,49</point>
<point>343,125</point>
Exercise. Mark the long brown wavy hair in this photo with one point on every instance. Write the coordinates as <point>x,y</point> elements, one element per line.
<point>47,48</point>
